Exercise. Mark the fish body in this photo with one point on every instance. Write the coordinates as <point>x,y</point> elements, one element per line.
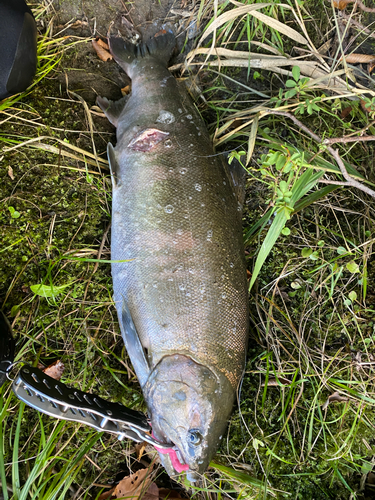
<point>182,296</point>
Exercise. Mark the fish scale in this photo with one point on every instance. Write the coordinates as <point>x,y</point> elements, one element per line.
<point>181,295</point>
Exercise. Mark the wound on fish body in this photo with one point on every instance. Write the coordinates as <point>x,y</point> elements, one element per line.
<point>187,347</point>
<point>147,139</point>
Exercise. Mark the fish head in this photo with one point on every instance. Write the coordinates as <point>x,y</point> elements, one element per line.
<point>189,406</point>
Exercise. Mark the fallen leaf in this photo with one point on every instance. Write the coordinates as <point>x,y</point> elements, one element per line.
<point>126,90</point>
<point>106,494</point>
<point>272,382</point>
<point>134,486</point>
<point>10,172</point>
<point>103,44</point>
<point>346,111</point>
<point>140,449</point>
<point>359,58</point>
<point>102,53</point>
<point>152,493</point>
<point>167,494</point>
<point>334,398</point>
<point>55,370</point>
<point>159,33</point>
<point>341,4</point>
<point>363,106</point>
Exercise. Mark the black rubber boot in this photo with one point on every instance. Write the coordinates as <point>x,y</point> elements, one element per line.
<point>17,47</point>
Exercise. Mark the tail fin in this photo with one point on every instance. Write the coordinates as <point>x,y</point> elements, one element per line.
<point>126,53</point>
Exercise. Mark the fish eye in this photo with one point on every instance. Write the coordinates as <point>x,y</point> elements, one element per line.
<point>195,437</point>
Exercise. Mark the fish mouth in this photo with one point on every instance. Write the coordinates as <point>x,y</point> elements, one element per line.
<point>174,463</point>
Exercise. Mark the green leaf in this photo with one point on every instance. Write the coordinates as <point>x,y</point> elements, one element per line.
<point>290,93</point>
<point>313,197</point>
<point>48,291</point>
<point>280,162</point>
<point>242,477</point>
<point>290,84</point>
<point>352,267</point>
<point>366,467</point>
<point>257,443</point>
<point>296,72</point>
<point>283,187</point>
<point>314,256</point>
<point>353,295</point>
<point>13,213</point>
<point>288,167</point>
<point>341,250</point>
<point>14,310</point>
<point>272,159</point>
<point>304,183</point>
<point>273,233</point>
<point>306,252</point>
<point>286,231</point>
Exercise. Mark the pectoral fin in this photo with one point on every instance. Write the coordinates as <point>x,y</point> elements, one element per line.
<point>112,109</point>
<point>133,345</point>
<point>113,165</point>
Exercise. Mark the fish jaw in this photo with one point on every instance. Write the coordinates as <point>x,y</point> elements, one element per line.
<point>189,406</point>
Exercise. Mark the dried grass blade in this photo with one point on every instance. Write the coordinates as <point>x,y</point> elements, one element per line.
<point>252,138</point>
<point>85,154</point>
<point>273,23</point>
<point>58,151</point>
<point>89,120</point>
<point>230,134</point>
<point>228,16</point>
<point>238,54</point>
<point>280,27</point>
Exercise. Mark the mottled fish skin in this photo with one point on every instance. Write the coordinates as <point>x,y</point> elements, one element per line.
<point>176,215</point>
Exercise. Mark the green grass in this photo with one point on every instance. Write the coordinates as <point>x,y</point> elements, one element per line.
<point>309,248</point>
